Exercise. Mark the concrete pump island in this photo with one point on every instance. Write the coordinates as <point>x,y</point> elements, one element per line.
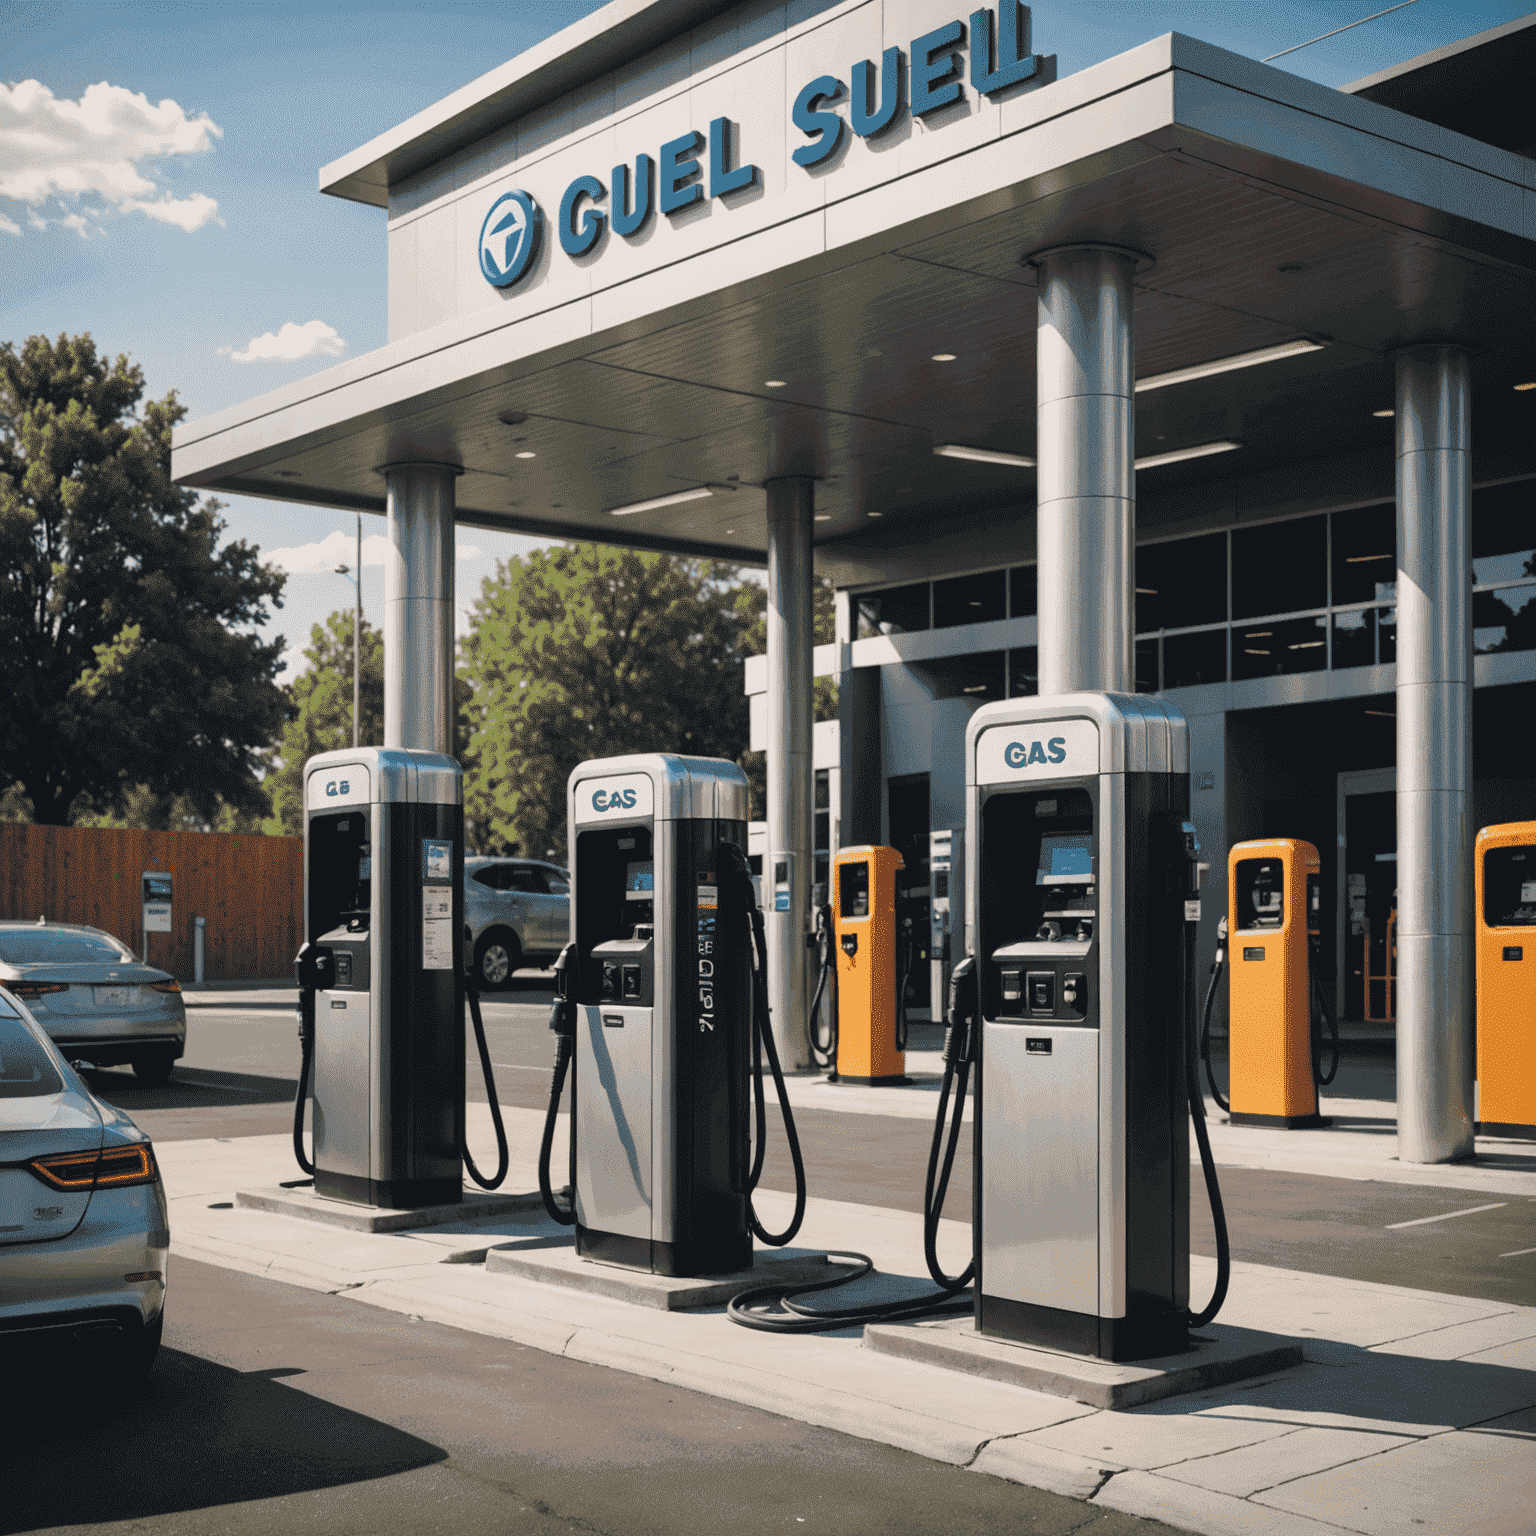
<point>1155,752</point>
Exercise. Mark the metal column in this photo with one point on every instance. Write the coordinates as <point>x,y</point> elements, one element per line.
<point>1085,449</point>
<point>791,780</point>
<point>418,608</point>
<point>1434,748</point>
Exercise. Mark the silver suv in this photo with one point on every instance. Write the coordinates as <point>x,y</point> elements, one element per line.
<point>516,913</point>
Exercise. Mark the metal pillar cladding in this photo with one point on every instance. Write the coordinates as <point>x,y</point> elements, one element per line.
<point>418,607</point>
<point>787,868</point>
<point>1085,449</point>
<point>1434,745</point>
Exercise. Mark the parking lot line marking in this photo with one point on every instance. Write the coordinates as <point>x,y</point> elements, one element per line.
<point>1471,1210</point>
<point>1518,1253</point>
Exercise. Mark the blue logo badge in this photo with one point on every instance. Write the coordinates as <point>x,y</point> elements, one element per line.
<point>509,238</point>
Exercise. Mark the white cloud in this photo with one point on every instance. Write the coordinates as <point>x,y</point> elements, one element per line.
<point>9,226</point>
<point>469,552</point>
<point>292,342</point>
<point>93,148</point>
<point>340,548</point>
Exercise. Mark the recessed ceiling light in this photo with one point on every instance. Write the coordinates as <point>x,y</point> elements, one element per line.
<point>1147,591</point>
<point>983,456</point>
<point>1383,413</point>
<point>730,530</point>
<point>975,688</point>
<point>874,514</point>
<point>823,517</point>
<point>1365,559</point>
<point>943,357</point>
<point>775,383</point>
<point>513,418</point>
<point>655,502</point>
<point>1523,387</point>
<point>1178,455</point>
<point>527,453</point>
<point>1227,364</point>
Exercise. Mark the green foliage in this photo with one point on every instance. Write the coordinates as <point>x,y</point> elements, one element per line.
<point>319,711</point>
<point>142,807</point>
<point>127,651</point>
<point>589,652</point>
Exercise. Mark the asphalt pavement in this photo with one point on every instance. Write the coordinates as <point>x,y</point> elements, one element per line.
<point>274,1408</point>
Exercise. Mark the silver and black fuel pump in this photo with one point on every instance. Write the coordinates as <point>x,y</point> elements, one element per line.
<point>380,977</point>
<point>1083,886</point>
<point>663,1017</point>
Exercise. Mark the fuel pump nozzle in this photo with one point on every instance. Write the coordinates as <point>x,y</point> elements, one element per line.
<point>313,969</point>
<point>562,1023</point>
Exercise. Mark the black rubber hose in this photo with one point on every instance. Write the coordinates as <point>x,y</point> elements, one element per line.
<point>1217,966</point>
<point>937,1185</point>
<point>906,948</point>
<point>557,1212</point>
<point>472,997</point>
<point>763,1038</point>
<point>307,1056</point>
<point>1321,1013</point>
<point>1207,1161</point>
<point>823,1054</point>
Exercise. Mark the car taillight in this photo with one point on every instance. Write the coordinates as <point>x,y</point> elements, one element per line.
<point>31,989</point>
<point>110,1168</point>
<point>165,986</point>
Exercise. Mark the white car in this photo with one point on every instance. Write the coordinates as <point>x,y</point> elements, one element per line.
<point>84,1228</point>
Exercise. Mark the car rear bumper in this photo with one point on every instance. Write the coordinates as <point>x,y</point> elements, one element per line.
<point>67,1281</point>
<point>110,1050</point>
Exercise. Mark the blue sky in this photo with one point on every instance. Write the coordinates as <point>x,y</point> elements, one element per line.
<point>191,228</point>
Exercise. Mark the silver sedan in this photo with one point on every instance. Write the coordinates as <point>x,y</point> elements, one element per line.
<point>94,998</point>
<point>84,1229</point>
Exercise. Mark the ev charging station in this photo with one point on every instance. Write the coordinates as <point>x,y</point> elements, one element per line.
<point>871,960</point>
<point>661,982</point>
<point>1083,890</point>
<point>379,975</point>
<point>1275,1006</point>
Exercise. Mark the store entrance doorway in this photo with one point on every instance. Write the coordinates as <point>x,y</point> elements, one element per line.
<point>907,807</point>
<point>1367,897</point>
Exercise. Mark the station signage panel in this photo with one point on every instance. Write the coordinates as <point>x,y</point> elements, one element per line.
<point>990,51</point>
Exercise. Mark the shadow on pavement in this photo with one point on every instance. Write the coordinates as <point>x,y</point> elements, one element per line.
<point>189,1088</point>
<point>197,1436</point>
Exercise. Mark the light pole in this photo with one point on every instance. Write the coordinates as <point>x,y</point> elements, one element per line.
<point>357,625</point>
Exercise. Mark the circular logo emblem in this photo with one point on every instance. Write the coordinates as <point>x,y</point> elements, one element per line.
<point>509,238</point>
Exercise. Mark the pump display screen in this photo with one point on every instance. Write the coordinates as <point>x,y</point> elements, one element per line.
<point>1066,858</point>
<point>639,880</point>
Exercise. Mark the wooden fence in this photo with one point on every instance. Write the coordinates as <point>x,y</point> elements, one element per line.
<point>250,890</point>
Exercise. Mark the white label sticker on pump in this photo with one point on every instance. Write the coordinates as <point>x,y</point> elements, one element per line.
<point>1037,749</point>
<point>437,928</point>
<point>620,797</point>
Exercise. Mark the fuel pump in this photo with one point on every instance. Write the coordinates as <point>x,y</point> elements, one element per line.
<point>380,1003</point>
<point>1505,927</point>
<point>873,957</point>
<point>1275,1003</point>
<point>663,1020</point>
<point>1082,886</point>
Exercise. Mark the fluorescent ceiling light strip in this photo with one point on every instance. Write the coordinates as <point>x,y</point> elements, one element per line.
<point>983,455</point>
<point>1228,364</point>
<point>661,501</point>
<point>1179,454</point>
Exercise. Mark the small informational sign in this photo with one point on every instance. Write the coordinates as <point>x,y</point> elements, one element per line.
<point>1191,911</point>
<point>437,937</point>
<point>157,901</point>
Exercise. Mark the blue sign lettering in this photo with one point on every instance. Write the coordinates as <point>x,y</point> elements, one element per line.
<point>619,800</point>
<point>337,787</point>
<point>1017,755</point>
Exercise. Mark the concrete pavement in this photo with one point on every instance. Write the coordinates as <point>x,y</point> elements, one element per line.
<point>1411,1406</point>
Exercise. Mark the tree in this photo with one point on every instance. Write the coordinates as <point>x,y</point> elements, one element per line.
<point>587,652</point>
<point>319,711</point>
<point>127,648</point>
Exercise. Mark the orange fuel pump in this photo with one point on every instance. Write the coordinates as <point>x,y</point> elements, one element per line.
<point>1274,902</point>
<point>871,1033</point>
<point>1505,859</point>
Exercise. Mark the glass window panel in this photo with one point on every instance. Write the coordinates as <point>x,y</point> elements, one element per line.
<point>895,611</point>
<point>1364,554</point>
<point>1146,666</point>
<point>1279,568</point>
<point>1504,620</point>
<point>1270,650</point>
<point>823,788</point>
<point>1386,635</point>
<point>1197,658</point>
<point>1354,638</point>
<point>1024,671</point>
<point>978,677</point>
<point>970,599</point>
<point>1504,532</point>
<point>1023,592</point>
<point>1182,582</point>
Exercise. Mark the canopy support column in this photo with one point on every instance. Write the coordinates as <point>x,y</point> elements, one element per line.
<point>1085,447</point>
<point>787,865</point>
<point>418,607</point>
<point>1434,749</point>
